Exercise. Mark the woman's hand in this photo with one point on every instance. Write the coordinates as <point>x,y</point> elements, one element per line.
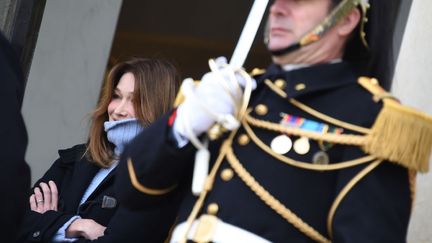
<point>47,199</point>
<point>87,228</point>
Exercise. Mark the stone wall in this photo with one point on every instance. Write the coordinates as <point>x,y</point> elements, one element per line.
<point>413,85</point>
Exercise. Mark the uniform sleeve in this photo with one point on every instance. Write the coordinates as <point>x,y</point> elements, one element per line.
<point>377,208</point>
<point>153,167</point>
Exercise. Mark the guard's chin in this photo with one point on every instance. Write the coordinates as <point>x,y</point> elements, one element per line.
<point>275,46</point>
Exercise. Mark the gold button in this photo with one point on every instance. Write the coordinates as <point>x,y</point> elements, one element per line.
<point>212,208</point>
<point>243,139</point>
<point>227,174</point>
<point>300,86</point>
<point>261,109</point>
<point>280,83</point>
<point>257,71</point>
<point>215,132</point>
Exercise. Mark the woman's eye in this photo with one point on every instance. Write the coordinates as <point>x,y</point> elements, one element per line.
<point>116,96</point>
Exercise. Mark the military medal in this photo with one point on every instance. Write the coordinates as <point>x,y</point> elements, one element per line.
<point>321,158</point>
<point>291,121</point>
<point>302,146</point>
<point>281,144</point>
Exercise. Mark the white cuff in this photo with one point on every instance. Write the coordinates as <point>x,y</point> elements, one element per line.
<point>180,140</point>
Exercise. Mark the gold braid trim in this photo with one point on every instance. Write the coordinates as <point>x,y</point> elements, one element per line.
<point>316,113</point>
<point>329,119</point>
<point>208,185</point>
<point>345,191</point>
<point>394,123</point>
<point>301,164</point>
<point>242,108</point>
<point>140,187</point>
<point>347,139</point>
<point>272,202</point>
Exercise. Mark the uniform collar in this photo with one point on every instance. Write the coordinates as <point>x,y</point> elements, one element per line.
<point>291,67</point>
<point>307,80</point>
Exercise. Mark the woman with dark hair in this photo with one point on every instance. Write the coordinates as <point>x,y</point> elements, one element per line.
<point>75,199</point>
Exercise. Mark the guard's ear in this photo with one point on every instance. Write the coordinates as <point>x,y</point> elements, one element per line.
<point>348,24</point>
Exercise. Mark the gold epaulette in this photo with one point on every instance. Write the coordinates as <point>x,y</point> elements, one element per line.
<point>400,134</point>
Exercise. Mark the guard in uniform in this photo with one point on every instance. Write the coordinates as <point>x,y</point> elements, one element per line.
<point>315,153</point>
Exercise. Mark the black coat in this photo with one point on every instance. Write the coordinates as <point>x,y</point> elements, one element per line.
<point>14,172</point>
<point>376,209</point>
<point>72,173</point>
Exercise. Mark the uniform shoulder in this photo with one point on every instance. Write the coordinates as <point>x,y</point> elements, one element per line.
<point>373,87</point>
<point>400,133</point>
<point>365,96</point>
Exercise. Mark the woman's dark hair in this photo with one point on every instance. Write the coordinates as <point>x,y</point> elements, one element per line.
<point>156,84</point>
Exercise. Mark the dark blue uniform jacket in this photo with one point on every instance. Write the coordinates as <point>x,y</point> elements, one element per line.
<point>376,209</point>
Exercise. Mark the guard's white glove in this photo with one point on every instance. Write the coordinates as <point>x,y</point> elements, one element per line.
<point>216,98</point>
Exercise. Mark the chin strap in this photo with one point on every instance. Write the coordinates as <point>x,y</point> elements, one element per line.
<point>339,12</point>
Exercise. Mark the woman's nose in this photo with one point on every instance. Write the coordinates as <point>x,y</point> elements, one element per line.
<point>120,109</point>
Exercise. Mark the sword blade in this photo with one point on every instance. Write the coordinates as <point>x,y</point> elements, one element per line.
<point>248,33</point>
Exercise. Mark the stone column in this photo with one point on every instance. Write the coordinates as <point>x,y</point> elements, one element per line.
<point>68,66</point>
<point>7,13</point>
<point>413,85</point>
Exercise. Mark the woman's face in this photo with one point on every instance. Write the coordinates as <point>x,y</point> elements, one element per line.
<point>121,104</point>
